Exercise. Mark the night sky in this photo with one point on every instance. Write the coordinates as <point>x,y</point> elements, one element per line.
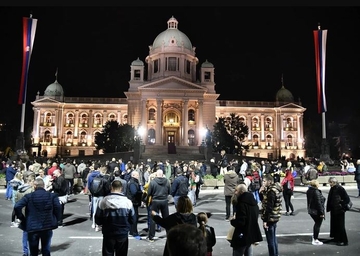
<point>250,47</point>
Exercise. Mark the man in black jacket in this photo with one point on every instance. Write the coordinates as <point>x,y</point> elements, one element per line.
<point>60,187</point>
<point>180,186</point>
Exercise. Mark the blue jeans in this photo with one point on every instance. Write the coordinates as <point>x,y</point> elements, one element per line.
<point>9,191</point>
<point>271,239</point>
<point>25,243</point>
<point>34,238</point>
<point>243,251</point>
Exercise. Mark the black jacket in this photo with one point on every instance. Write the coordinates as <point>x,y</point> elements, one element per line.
<point>246,221</point>
<point>315,201</point>
<point>159,188</point>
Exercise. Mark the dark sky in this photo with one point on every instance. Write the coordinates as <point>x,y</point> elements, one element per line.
<point>250,47</point>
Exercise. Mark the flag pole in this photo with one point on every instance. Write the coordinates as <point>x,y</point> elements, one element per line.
<point>29,29</point>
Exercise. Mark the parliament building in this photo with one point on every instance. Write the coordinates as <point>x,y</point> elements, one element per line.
<point>171,105</point>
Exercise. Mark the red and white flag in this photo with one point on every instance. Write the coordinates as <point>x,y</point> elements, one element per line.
<point>29,29</point>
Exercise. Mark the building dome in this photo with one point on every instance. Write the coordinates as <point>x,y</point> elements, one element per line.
<point>137,62</point>
<point>54,89</point>
<point>172,37</point>
<point>207,64</point>
<point>284,95</point>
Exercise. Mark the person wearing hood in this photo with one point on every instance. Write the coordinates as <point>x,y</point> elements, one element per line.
<point>69,171</point>
<point>271,198</point>
<point>159,190</point>
<point>231,180</point>
<point>247,230</point>
<point>183,215</point>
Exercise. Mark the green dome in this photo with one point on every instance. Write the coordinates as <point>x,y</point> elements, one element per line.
<point>137,62</point>
<point>172,37</point>
<point>54,89</point>
<point>207,64</point>
<point>284,95</point>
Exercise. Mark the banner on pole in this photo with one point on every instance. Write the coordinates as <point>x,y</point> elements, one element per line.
<point>320,57</point>
<point>29,29</point>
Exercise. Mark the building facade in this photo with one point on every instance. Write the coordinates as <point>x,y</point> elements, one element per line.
<point>172,105</point>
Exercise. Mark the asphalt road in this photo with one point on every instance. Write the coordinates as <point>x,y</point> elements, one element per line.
<point>294,232</point>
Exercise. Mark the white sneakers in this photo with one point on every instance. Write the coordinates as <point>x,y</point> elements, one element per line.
<point>316,242</point>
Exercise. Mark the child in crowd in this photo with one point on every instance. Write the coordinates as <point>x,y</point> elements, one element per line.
<point>208,231</point>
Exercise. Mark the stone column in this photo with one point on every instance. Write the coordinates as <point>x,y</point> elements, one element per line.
<point>158,140</point>
<point>200,121</point>
<point>185,122</point>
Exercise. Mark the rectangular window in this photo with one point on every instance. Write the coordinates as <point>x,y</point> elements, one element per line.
<point>207,76</point>
<point>172,64</point>
<point>137,74</point>
<point>188,67</point>
<point>156,66</point>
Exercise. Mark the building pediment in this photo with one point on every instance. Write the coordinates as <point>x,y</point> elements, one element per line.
<point>291,105</point>
<point>45,99</point>
<point>172,84</point>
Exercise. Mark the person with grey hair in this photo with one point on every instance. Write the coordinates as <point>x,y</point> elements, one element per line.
<point>42,213</point>
<point>134,193</point>
<point>337,199</point>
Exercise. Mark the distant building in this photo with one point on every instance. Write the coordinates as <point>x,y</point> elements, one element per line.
<point>172,104</point>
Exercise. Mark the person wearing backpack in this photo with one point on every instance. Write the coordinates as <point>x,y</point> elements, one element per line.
<point>180,186</point>
<point>96,196</point>
<point>134,193</point>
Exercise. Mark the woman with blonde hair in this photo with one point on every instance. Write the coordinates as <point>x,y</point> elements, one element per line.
<point>183,215</point>
<point>316,208</point>
<point>208,231</point>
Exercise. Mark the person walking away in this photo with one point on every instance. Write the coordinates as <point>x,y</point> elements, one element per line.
<point>231,180</point>
<point>208,231</point>
<point>247,231</point>
<point>159,190</point>
<point>316,208</point>
<point>193,180</point>
<point>115,229</point>
<point>270,194</point>
<point>59,185</point>
<point>69,172</point>
<point>357,177</point>
<point>9,175</point>
<point>183,215</point>
<point>180,186</point>
<point>42,213</point>
<point>26,188</point>
<point>337,198</point>
<point>288,190</point>
<point>134,193</point>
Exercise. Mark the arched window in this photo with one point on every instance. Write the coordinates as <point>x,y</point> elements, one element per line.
<point>256,140</point>
<point>242,120</point>
<point>151,114</point>
<point>112,117</point>
<point>69,137</point>
<point>191,115</point>
<point>70,118</point>
<point>151,136</point>
<point>268,140</point>
<point>98,119</point>
<point>47,136</point>
<point>84,119</point>
<point>268,122</point>
<point>48,117</point>
<point>255,122</point>
<point>83,137</point>
<point>289,122</point>
<point>191,138</point>
<point>289,141</point>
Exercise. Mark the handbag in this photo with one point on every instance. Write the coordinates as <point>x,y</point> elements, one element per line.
<point>230,233</point>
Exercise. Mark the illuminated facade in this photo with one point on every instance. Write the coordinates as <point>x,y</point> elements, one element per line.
<point>171,104</point>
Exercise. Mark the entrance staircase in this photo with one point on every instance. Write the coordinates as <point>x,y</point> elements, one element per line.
<point>183,153</point>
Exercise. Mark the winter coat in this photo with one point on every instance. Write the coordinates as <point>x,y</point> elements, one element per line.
<point>247,230</point>
<point>337,198</point>
<point>271,203</point>
<point>42,212</point>
<point>315,201</point>
<point>357,173</point>
<point>231,180</point>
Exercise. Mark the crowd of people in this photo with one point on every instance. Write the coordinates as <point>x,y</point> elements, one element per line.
<point>252,189</point>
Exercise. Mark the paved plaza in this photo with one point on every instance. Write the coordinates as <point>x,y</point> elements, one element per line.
<point>294,232</point>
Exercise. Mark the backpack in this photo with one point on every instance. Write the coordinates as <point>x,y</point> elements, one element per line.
<point>100,185</point>
<point>183,187</point>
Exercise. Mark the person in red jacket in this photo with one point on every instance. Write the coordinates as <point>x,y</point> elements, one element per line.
<point>288,189</point>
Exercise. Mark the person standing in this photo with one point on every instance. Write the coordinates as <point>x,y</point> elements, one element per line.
<point>231,180</point>
<point>159,190</point>
<point>115,229</point>
<point>288,190</point>
<point>180,186</point>
<point>59,185</point>
<point>247,230</point>
<point>42,213</point>
<point>243,168</point>
<point>316,208</point>
<point>9,175</point>
<point>208,231</point>
<point>69,171</point>
<point>134,193</point>
<point>223,163</point>
<point>357,177</point>
<point>270,194</point>
<point>183,215</point>
<point>337,198</point>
